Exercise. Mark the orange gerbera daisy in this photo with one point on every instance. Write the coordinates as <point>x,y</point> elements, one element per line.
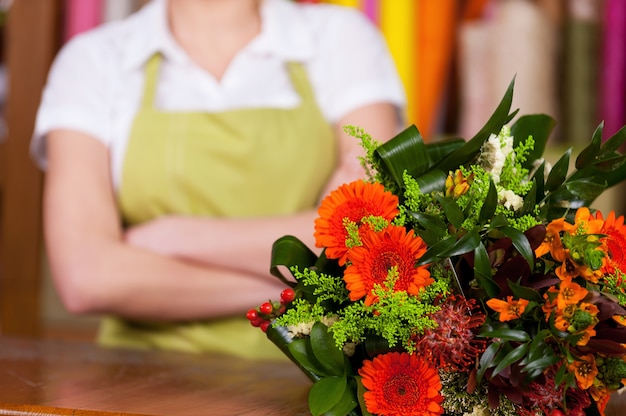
<point>399,384</point>
<point>381,251</point>
<point>509,309</point>
<point>615,242</point>
<point>351,202</point>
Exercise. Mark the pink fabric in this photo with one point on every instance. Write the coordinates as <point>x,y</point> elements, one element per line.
<point>370,8</point>
<point>82,15</point>
<point>613,68</point>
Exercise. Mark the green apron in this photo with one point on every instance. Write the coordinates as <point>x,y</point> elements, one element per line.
<point>249,162</point>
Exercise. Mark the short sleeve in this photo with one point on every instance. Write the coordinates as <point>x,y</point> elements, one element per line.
<point>355,67</point>
<point>76,95</point>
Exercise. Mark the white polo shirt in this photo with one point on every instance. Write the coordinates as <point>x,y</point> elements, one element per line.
<point>96,81</point>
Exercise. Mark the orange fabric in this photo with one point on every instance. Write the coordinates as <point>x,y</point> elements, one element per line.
<point>436,33</point>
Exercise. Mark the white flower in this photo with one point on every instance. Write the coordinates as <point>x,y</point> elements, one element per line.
<point>494,153</point>
<point>511,200</point>
<point>300,330</point>
<point>349,348</point>
<point>478,411</point>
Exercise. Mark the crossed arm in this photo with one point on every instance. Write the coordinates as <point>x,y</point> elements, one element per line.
<point>175,267</point>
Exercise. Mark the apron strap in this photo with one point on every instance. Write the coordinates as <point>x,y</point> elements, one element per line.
<point>150,82</point>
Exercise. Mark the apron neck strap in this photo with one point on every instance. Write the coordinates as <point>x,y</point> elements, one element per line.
<point>151,78</point>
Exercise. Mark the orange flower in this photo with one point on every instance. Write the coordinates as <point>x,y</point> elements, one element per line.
<point>351,202</point>
<point>600,394</point>
<point>371,263</point>
<point>552,240</point>
<point>585,371</point>
<point>569,293</point>
<point>585,223</point>
<point>457,184</point>
<point>509,309</point>
<point>614,242</point>
<point>399,384</point>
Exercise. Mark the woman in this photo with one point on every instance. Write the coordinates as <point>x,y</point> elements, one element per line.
<point>181,142</point>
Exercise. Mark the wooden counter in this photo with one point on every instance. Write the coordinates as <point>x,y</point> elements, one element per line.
<point>71,378</point>
<point>47,377</point>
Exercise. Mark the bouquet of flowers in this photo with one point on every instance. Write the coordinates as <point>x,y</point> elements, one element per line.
<point>460,278</point>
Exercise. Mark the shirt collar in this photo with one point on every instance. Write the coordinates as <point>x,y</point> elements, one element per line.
<point>149,34</point>
<point>285,34</point>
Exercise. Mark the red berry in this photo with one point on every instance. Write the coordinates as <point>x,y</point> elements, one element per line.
<point>257,321</point>
<point>252,314</point>
<point>264,325</point>
<point>287,295</point>
<point>266,308</point>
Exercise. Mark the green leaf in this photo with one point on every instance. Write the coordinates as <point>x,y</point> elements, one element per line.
<point>507,334</point>
<point>539,126</point>
<point>482,265</point>
<point>541,363</point>
<point>360,391</point>
<point>490,204</point>
<point>525,292</point>
<point>559,172</point>
<point>513,356</point>
<point>487,360</point>
<point>589,153</point>
<point>434,180</point>
<point>453,212</point>
<point>300,350</point>
<point>325,350</point>
<point>326,393</point>
<point>530,199</point>
<point>439,150</point>
<point>437,251</point>
<point>279,335</point>
<point>467,243</point>
<point>613,143</point>
<point>289,251</point>
<point>435,229</point>
<point>495,123</point>
<point>539,178</point>
<point>521,243</point>
<point>347,403</point>
<point>404,152</point>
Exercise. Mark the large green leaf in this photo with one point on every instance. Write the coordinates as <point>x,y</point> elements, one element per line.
<point>280,336</point>
<point>466,244</point>
<point>346,404</point>
<point>439,150</point>
<point>289,251</point>
<point>404,152</point>
<point>300,350</point>
<point>326,393</point>
<point>326,351</point>
<point>434,180</point>
<point>470,149</point>
<point>539,126</point>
